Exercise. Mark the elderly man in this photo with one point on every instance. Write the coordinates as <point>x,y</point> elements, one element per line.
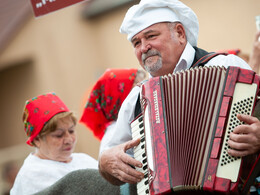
<point>164,36</point>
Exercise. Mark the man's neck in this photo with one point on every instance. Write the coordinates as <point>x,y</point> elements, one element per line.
<point>186,58</point>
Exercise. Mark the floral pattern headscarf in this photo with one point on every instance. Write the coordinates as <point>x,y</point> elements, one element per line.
<point>106,98</point>
<point>38,111</point>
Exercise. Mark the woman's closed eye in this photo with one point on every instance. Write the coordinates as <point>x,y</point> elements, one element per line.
<point>71,131</point>
<point>59,135</point>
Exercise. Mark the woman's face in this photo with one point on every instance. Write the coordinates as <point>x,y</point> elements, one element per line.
<point>59,144</point>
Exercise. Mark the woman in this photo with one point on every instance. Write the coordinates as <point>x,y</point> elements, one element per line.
<point>106,98</point>
<point>50,126</point>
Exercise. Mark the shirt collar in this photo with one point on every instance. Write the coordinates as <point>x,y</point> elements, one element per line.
<point>186,58</point>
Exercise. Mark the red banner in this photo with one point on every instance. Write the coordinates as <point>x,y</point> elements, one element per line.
<point>42,7</point>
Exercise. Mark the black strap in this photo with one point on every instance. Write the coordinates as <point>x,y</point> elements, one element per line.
<point>138,109</point>
<point>202,57</point>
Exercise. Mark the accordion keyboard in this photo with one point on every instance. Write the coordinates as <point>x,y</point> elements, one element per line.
<point>137,127</point>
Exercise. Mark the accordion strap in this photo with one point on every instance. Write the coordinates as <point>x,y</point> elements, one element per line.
<point>202,57</point>
<point>138,109</point>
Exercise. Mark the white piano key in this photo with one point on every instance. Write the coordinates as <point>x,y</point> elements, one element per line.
<point>138,133</point>
<point>142,186</point>
<point>137,121</point>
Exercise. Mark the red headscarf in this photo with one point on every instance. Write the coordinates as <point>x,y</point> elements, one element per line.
<point>38,111</point>
<point>230,51</point>
<point>106,98</point>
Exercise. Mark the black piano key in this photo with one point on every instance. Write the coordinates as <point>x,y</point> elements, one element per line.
<point>142,140</point>
<point>145,167</point>
<point>147,191</point>
<point>146,182</point>
<point>141,132</point>
<point>141,125</point>
<point>144,161</point>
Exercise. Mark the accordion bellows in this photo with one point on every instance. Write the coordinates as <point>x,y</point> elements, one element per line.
<point>187,118</point>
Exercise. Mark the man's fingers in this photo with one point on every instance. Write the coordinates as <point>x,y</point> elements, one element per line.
<point>237,153</point>
<point>247,118</point>
<point>125,172</point>
<point>130,175</point>
<point>128,160</point>
<point>131,144</point>
<point>247,127</point>
<point>240,138</point>
<point>238,146</point>
<point>127,178</point>
<point>120,165</point>
<point>237,150</point>
<point>240,149</point>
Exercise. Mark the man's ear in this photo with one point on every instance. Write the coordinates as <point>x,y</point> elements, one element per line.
<point>180,31</point>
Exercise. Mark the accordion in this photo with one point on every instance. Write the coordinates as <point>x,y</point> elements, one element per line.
<point>184,128</point>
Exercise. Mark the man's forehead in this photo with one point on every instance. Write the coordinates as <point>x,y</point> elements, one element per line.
<point>153,28</point>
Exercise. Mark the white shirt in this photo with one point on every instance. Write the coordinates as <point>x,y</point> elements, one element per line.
<point>37,174</point>
<point>106,138</point>
<point>119,135</point>
<point>122,131</point>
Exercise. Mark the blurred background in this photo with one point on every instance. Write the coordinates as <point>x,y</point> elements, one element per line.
<point>67,50</point>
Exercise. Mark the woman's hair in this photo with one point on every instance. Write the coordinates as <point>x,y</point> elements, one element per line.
<point>140,76</point>
<point>51,125</point>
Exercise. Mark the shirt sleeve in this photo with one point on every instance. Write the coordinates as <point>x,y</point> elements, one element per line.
<point>107,136</point>
<point>228,60</point>
<point>120,132</point>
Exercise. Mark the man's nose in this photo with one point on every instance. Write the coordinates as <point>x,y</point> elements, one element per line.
<point>145,46</point>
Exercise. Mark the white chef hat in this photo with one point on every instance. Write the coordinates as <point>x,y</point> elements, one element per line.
<point>149,12</point>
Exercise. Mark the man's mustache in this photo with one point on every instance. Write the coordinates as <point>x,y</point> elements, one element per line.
<point>150,53</point>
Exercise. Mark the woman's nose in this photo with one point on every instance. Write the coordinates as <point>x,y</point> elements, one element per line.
<point>68,138</point>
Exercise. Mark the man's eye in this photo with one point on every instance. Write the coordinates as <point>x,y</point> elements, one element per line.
<point>151,36</point>
<point>135,44</point>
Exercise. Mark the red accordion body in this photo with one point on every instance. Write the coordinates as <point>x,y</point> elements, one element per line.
<point>187,119</point>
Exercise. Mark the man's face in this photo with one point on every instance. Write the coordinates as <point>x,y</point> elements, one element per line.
<point>157,49</point>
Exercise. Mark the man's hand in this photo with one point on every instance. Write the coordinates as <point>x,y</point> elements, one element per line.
<point>115,164</point>
<point>245,139</point>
